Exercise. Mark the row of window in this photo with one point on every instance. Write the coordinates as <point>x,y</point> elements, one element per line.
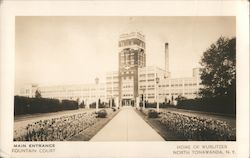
<point>108,83</point>
<point>110,78</point>
<point>128,95</point>
<point>129,62</point>
<point>114,90</point>
<point>75,96</point>
<point>129,78</point>
<point>127,86</point>
<point>127,72</point>
<point>149,75</point>
<point>149,80</point>
<point>170,94</point>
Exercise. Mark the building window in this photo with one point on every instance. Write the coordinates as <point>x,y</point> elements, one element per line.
<point>151,75</point>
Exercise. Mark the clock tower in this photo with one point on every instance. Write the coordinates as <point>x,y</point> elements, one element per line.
<point>131,57</point>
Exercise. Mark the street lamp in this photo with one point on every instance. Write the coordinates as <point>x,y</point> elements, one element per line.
<point>157,79</point>
<point>143,99</point>
<point>111,102</point>
<point>97,98</point>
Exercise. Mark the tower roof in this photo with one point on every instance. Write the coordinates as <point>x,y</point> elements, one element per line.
<point>130,35</point>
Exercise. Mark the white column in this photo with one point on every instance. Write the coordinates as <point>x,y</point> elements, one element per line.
<point>137,102</point>
<point>87,104</point>
<point>97,98</point>
<point>157,93</point>
<point>117,102</point>
<point>96,107</point>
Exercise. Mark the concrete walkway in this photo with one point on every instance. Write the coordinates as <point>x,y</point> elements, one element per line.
<point>127,125</point>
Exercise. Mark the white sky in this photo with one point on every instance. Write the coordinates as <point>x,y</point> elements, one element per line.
<point>67,50</point>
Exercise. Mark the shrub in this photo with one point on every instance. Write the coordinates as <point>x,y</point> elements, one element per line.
<point>152,113</point>
<point>102,113</point>
<point>102,105</point>
<point>82,105</point>
<point>92,105</point>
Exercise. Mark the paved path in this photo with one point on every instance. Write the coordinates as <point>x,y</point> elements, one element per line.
<point>127,125</point>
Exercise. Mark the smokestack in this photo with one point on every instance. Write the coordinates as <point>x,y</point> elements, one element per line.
<point>166,58</point>
<point>196,72</point>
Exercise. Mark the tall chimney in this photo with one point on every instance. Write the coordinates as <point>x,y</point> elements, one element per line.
<point>166,58</point>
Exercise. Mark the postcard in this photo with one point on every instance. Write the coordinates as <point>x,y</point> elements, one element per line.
<point>124,79</point>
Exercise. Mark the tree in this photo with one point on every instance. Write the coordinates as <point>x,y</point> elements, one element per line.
<point>38,94</point>
<point>218,73</point>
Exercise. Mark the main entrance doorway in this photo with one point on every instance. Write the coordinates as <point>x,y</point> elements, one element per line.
<point>127,102</point>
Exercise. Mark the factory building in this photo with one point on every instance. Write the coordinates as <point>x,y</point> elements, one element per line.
<point>132,80</point>
<point>79,92</point>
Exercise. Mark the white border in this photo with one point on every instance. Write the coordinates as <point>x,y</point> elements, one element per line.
<point>10,9</point>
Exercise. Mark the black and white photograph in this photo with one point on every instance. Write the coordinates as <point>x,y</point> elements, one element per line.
<point>125,78</point>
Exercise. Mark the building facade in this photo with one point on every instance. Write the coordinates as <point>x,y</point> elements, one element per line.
<point>27,91</point>
<point>167,89</point>
<point>131,57</point>
<point>79,92</point>
<point>147,81</point>
<point>112,87</point>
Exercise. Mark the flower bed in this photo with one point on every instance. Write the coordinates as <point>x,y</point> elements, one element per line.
<point>197,128</point>
<point>56,129</point>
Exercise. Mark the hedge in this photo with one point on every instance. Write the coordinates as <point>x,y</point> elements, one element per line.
<point>100,105</point>
<point>25,105</point>
<point>161,105</point>
<point>225,105</point>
